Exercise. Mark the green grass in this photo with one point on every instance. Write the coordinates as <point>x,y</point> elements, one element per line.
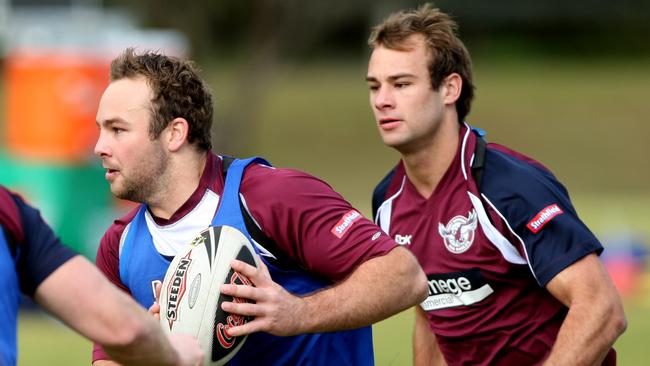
<point>393,337</point>
<point>44,341</point>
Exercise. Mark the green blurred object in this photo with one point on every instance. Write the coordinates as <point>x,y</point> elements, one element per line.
<point>73,199</point>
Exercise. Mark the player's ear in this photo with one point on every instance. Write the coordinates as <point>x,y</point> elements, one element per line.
<point>177,133</point>
<point>451,87</point>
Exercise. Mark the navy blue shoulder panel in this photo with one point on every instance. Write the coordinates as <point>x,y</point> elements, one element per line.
<point>379,194</point>
<point>538,208</point>
<point>40,253</point>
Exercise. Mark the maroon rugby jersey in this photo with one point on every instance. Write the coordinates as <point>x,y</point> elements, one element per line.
<point>311,224</point>
<point>489,253</point>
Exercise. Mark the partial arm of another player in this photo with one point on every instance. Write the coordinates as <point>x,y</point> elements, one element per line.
<point>81,296</point>
<point>595,318</point>
<point>425,347</point>
<point>377,289</point>
<point>105,363</point>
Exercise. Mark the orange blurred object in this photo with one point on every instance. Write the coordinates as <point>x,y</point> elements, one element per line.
<point>626,276</point>
<point>52,100</point>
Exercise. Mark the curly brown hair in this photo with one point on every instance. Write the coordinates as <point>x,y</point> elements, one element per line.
<point>178,91</point>
<point>448,53</point>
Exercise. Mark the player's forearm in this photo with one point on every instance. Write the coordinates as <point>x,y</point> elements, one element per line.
<point>80,296</point>
<point>588,332</point>
<point>425,347</point>
<point>149,348</point>
<point>141,340</point>
<point>377,289</point>
<point>105,363</point>
<point>595,317</point>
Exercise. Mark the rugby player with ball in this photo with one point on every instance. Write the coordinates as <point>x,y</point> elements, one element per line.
<point>325,272</point>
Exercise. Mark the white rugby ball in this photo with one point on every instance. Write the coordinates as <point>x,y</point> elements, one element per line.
<point>190,299</point>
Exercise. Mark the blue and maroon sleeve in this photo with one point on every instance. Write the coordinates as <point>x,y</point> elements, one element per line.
<point>312,223</point>
<point>39,250</point>
<point>537,208</point>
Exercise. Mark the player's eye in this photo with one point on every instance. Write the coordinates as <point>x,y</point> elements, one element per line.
<point>373,87</point>
<point>401,85</point>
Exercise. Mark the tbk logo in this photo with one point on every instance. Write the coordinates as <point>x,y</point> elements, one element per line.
<point>403,239</point>
<point>459,232</point>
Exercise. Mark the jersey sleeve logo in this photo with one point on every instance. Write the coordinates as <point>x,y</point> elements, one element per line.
<point>459,232</point>
<point>543,217</point>
<point>345,223</point>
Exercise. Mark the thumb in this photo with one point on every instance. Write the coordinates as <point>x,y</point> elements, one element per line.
<point>157,290</point>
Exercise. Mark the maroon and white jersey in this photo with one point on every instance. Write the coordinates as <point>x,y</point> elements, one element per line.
<point>311,224</point>
<point>489,252</point>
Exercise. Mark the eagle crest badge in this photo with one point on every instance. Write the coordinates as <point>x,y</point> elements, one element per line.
<point>459,232</point>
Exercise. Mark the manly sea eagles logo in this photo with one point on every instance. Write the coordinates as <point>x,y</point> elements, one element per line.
<point>459,232</point>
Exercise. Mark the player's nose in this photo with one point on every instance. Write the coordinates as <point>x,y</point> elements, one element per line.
<point>384,98</point>
<point>101,146</point>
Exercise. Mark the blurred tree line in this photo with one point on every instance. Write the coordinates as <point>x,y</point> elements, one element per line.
<point>295,28</point>
<point>262,34</point>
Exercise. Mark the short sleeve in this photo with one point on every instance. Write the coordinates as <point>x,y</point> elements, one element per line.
<point>312,223</point>
<point>108,252</point>
<point>538,209</point>
<point>41,252</point>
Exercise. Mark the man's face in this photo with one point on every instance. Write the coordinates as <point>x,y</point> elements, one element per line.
<point>407,109</point>
<point>135,165</point>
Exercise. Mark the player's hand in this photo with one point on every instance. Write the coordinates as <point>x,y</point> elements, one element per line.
<point>275,310</point>
<point>155,308</point>
<point>187,348</point>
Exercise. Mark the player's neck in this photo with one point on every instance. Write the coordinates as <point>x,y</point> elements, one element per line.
<point>426,166</point>
<point>184,175</point>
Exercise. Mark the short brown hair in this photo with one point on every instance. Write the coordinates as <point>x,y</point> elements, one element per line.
<point>448,53</point>
<point>178,91</point>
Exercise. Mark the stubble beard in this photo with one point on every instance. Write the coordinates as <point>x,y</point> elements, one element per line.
<point>148,179</point>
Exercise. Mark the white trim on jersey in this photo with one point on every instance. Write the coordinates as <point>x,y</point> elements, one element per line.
<point>515,234</point>
<point>170,239</point>
<point>385,210</point>
<point>123,238</point>
<point>471,160</point>
<point>263,251</point>
<point>508,250</point>
<point>462,151</point>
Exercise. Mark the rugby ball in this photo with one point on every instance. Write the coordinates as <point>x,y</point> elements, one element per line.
<point>190,298</point>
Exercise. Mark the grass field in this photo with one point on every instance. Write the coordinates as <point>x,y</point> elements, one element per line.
<point>45,341</point>
<point>586,120</point>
